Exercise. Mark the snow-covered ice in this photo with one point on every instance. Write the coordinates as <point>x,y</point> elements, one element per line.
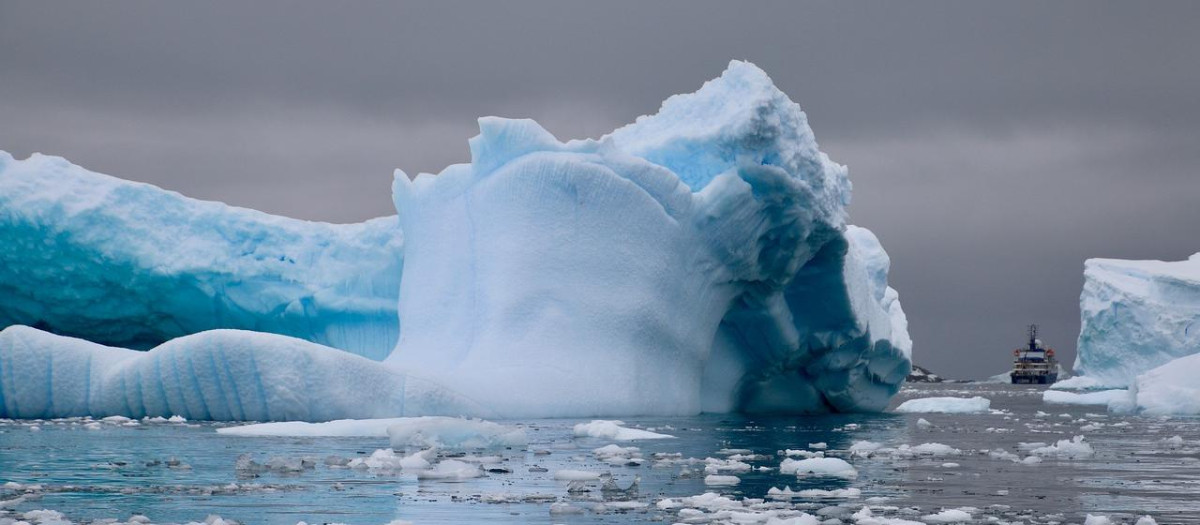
<point>698,259</point>
<point>946,405</point>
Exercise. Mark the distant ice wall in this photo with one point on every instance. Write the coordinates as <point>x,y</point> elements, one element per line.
<point>1136,316</point>
<point>129,264</point>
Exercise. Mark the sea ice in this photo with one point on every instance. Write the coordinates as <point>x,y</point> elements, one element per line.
<point>831,467</point>
<point>1076,448</point>
<point>1102,397</point>
<point>615,430</point>
<point>945,405</point>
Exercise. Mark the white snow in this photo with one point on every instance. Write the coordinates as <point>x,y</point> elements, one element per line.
<point>1171,389</point>
<point>946,405</point>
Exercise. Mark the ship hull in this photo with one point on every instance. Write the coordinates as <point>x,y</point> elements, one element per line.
<point>1043,379</point>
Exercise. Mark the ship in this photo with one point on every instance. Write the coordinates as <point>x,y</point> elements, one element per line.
<point>1034,364</point>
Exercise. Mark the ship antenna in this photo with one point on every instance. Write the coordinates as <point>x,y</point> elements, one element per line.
<point>1033,337</point>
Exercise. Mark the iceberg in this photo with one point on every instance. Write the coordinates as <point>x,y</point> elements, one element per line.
<point>1136,316</point>
<point>1170,389</point>
<point>128,264</point>
<point>221,375</point>
<point>698,259</point>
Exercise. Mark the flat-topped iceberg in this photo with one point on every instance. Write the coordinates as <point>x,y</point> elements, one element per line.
<point>1136,316</point>
<point>696,260</point>
<point>129,264</point>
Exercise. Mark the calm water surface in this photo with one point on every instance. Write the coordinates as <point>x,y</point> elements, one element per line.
<point>184,472</point>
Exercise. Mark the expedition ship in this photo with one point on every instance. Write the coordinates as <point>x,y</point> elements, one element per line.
<point>1034,364</point>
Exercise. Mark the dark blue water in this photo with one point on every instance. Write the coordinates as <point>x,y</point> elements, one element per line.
<point>183,472</point>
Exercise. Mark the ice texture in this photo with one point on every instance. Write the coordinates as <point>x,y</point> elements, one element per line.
<point>129,264</point>
<point>945,405</point>
<point>222,375</point>
<point>698,259</point>
<point>1170,389</point>
<point>1136,316</point>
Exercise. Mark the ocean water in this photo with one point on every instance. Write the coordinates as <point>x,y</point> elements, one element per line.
<point>181,472</point>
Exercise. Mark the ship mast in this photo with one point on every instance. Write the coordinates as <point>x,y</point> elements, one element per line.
<point>1033,337</point>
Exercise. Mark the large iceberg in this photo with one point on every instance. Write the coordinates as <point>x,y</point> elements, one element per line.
<point>1136,316</point>
<point>696,260</point>
<point>1141,330</point>
<point>129,264</point>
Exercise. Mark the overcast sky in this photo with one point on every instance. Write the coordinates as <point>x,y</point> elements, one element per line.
<point>993,146</point>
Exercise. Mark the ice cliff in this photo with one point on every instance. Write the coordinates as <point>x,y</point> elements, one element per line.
<point>1141,329</point>
<point>1135,316</point>
<point>129,264</point>
<point>696,260</point>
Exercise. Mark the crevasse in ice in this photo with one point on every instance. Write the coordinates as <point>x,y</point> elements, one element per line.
<point>695,260</point>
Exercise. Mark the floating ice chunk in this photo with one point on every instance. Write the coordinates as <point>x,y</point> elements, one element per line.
<point>451,432</point>
<point>924,424</point>
<point>387,459</point>
<point>787,492</point>
<point>336,428</point>
<point>936,450</point>
<point>615,430</point>
<point>831,467</point>
<point>576,475</point>
<point>818,446</point>
<point>1093,519</point>
<point>1173,442</point>
<point>1076,448</point>
<point>946,405</point>
<point>864,448</point>
<point>715,480</point>
<point>948,516</point>
<point>451,470</point>
<point>1146,520</point>
<point>1082,383</point>
<point>1103,397</point>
